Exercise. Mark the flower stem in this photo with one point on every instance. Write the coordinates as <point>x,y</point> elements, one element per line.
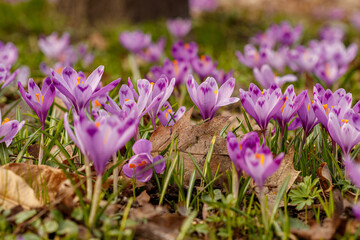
<point>235,183</point>
<point>134,69</point>
<point>116,178</point>
<point>264,210</point>
<point>88,178</point>
<point>95,200</point>
<point>41,149</point>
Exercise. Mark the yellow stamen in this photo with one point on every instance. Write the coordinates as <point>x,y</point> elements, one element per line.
<point>167,115</point>
<point>59,70</point>
<point>308,107</point>
<point>5,121</point>
<point>260,157</point>
<point>169,110</point>
<point>262,92</point>
<point>240,146</point>
<point>97,103</point>
<point>282,108</point>
<point>126,100</point>
<point>216,91</point>
<point>152,84</point>
<point>344,121</point>
<point>97,124</point>
<point>38,98</point>
<point>78,81</point>
<point>325,107</point>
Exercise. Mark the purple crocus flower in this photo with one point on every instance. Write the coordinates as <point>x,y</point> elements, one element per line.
<point>356,211</point>
<point>179,27</point>
<point>262,105</point>
<point>325,102</point>
<point>266,77</point>
<point>99,140</point>
<point>208,97</point>
<point>5,76</point>
<point>252,57</point>
<point>287,35</point>
<point>53,46</point>
<point>221,76</point>
<point>346,133</point>
<point>177,69</point>
<point>203,66</point>
<point>184,51</point>
<point>352,169</point>
<point>134,41</point>
<point>8,54</point>
<point>139,166</point>
<point>23,75</point>
<point>203,5</point>
<point>306,117</point>
<point>302,59</point>
<point>9,129</point>
<point>329,72</point>
<point>265,39</point>
<point>278,59</point>
<point>337,52</point>
<point>78,89</point>
<point>39,100</point>
<point>153,52</point>
<point>355,20</point>
<point>291,105</point>
<point>85,55</point>
<point>257,161</point>
<point>167,116</point>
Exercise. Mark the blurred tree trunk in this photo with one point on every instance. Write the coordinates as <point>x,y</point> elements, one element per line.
<point>112,11</point>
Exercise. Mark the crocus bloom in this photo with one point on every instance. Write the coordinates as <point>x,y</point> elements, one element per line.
<point>306,117</point>
<point>5,76</point>
<point>355,20</point>
<point>278,59</point>
<point>208,97</point>
<point>84,54</point>
<point>130,101</point>
<point>346,133</point>
<point>177,69</point>
<point>331,34</point>
<point>329,72</point>
<point>302,59</point>
<point>352,169</point>
<point>23,75</point>
<point>327,101</point>
<point>53,46</point>
<point>184,51</point>
<point>99,140</point>
<point>203,66</point>
<point>134,41</point>
<point>356,211</point>
<point>153,52</point>
<point>266,77</point>
<point>8,54</point>
<point>262,105</point>
<point>203,5</point>
<point>257,161</point>
<point>179,27</point>
<point>39,100</point>
<point>291,106</point>
<point>287,35</point>
<point>252,57</point>
<point>221,76</point>
<point>78,89</point>
<point>266,39</point>
<point>9,129</point>
<point>167,116</point>
<point>139,166</point>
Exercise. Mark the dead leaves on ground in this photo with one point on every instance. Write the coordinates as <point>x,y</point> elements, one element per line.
<point>196,140</point>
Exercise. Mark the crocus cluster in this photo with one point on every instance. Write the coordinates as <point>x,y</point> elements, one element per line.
<point>254,159</point>
<point>61,53</point>
<point>9,129</point>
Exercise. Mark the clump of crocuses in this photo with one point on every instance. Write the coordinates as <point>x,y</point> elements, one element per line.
<point>141,165</point>
<point>208,97</point>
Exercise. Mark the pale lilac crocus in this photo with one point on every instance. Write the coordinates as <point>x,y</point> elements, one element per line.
<point>134,41</point>
<point>203,5</point>
<point>39,100</point>
<point>6,77</point>
<point>306,117</point>
<point>262,105</point>
<point>153,52</point>
<point>291,105</point>
<point>140,165</point>
<point>208,97</point>
<point>346,132</point>
<point>203,66</point>
<point>178,69</point>
<point>168,117</point>
<point>252,57</point>
<point>221,76</point>
<point>288,35</point>
<point>278,59</point>
<point>9,129</point>
<point>54,46</point>
<point>79,90</point>
<point>254,159</point>
<point>326,101</point>
<point>355,20</point>
<point>266,77</point>
<point>179,27</point>
<point>332,33</point>
<point>8,54</point>
<point>23,75</point>
<point>184,51</point>
<point>302,59</point>
<point>329,72</point>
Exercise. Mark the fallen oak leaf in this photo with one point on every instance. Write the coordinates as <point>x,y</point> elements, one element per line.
<point>195,140</point>
<point>15,191</point>
<point>325,178</point>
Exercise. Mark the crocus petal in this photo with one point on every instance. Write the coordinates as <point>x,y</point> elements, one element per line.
<point>160,167</point>
<point>142,146</point>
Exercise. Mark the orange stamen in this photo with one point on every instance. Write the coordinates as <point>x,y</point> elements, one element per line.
<point>126,100</point>
<point>97,124</point>
<point>97,103</point>
<point>344,121</point>
<point>186,46</point>
<point>59,70</point>
<point>131,165</point>
<point>260,157</point>
<point>5,121</point>
<point>176,66</point>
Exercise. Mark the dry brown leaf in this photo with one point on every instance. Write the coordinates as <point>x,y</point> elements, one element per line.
<point>15,191</point>
<point>274,182</point>
<point>196,140</point>
<point>143,198</point>
<point>325,177</point>
<point>98,41</point>
<point>47,182</point>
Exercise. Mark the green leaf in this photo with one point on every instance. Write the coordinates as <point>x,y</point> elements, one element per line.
<point>23,216</point>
